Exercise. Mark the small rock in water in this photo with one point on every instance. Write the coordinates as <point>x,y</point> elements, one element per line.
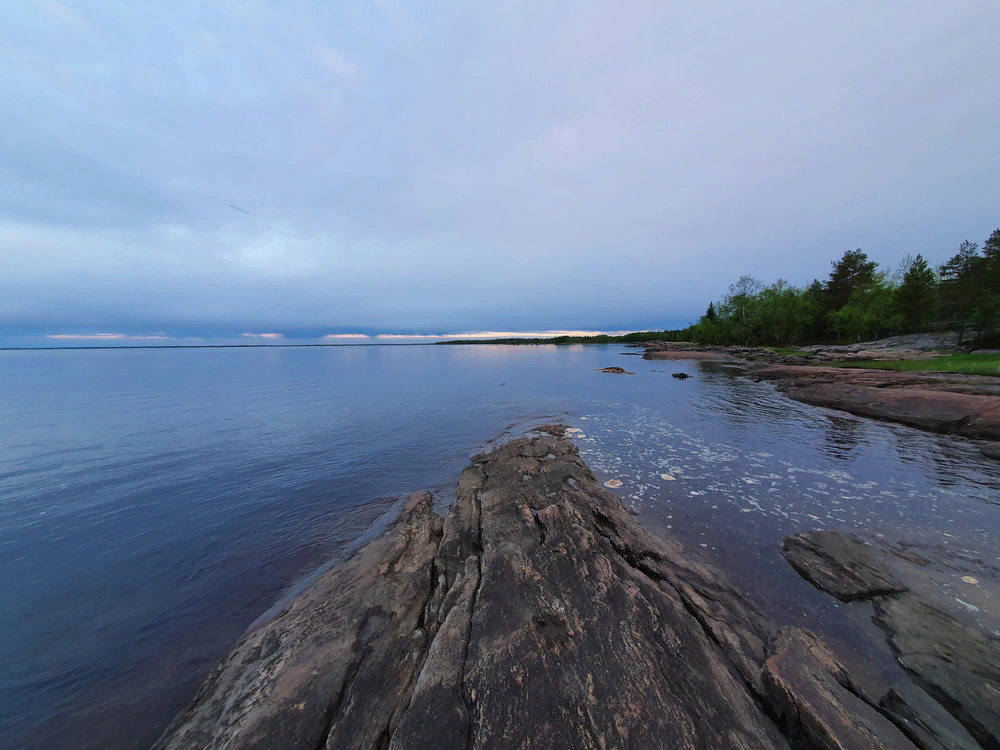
<point>666,477</point>
<point>970,579</point>
<point>679,375</point>
<point>613,483</point>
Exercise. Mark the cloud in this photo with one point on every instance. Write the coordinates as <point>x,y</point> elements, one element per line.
<point>483,335</point>
<point>105,337</point>
<point>334,62</point>
<point>59,12</point>
<point>262,335</point>
<point>475,167</point>
<point>529,334</point>
<point>408,337</point>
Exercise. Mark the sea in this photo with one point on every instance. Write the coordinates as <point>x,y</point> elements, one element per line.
<point>154,503</point>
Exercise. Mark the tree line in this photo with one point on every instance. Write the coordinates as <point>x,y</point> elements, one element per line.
<point>859,301</point>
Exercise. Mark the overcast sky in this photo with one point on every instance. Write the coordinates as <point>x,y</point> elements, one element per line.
<point>214,168</point>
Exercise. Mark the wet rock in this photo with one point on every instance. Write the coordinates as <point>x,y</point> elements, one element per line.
<point>616,370</point>
<point>679,375</point>
<point>923,720</point>
<point>812,694</point>
<point>308,678</point>
<point>840,564</point>
<point>960,404</point>
<point>990,450</point>
<point>538,613</point>
<point>956,664</point>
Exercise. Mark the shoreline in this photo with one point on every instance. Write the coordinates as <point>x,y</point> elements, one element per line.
<point>538,612</point>
<point>955,404</point>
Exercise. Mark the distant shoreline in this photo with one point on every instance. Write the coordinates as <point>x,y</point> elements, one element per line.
<point>552,342</point>
<point>197,346</point>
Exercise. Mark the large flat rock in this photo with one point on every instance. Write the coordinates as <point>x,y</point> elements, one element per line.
<point>955,663</point>
<point>959,404</point>
<point>536,614</point>
<point>840,564</point>
<point>815,697</point>
<point>924,720</point>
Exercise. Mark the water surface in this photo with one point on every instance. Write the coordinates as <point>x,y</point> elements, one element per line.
<point>153,503</point>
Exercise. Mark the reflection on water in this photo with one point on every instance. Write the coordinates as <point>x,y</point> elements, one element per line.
<point>154,503</point>
<point>842,435</point>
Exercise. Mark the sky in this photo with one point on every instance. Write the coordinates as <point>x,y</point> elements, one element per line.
<point>217,171</point>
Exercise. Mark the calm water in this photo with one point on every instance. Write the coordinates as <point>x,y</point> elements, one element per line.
<point>153,503</point>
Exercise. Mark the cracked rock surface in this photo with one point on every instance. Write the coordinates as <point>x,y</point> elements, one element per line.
<point>840,564</point>
<point>966,405</point>
<point>956,664</point>
<point>537,614</point>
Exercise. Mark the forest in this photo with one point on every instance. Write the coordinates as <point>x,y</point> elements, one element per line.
<point>860,301</point>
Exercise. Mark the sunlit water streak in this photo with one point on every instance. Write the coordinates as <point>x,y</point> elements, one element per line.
<point>154,503</point>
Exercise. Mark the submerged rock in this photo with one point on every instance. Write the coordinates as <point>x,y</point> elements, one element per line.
<point>616,370</point>
<point>679,375</point>
<point>536,614</point>
<point>839,564</point>
<point>814,696</point>
<point>956,664</point>
<point>924,720</point>
<point>990,450</point>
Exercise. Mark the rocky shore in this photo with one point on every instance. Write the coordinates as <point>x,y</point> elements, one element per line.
<point>966,405</point>
<point>538,613</point>
<point>952,655</point>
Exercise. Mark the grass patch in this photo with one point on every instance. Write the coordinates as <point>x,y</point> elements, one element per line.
<point>966,364</point>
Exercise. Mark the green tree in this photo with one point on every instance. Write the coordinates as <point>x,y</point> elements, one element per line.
<point>962,289</point>
<point>991,284</point>
<point>739,308</point>
<point>851,273</point>
<point>991,248</point>
<point>782,314</point>
<point>814,309</point>
<point>916,296</point>
<point>869,313</point>
<point>710,312</point>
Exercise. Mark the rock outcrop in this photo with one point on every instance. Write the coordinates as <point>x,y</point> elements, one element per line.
<point>536,614</point>
<point>955,664</point>
<point>818,702</point>
<point>960,404</point>
<point>924,720</point>
<point>839,564</point>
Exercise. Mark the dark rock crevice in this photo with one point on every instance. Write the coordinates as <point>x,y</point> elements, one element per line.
<point>470,703</point>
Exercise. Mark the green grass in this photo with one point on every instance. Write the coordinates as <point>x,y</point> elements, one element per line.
<point>966,364</point>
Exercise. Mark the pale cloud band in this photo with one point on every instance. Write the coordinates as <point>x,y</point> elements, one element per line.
<point>404,167</point>
<point>105,337</point>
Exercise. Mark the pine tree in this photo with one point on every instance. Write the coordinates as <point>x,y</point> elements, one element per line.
<point>962,287</point>
<point>915,297</point>
<point>850,274</point>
